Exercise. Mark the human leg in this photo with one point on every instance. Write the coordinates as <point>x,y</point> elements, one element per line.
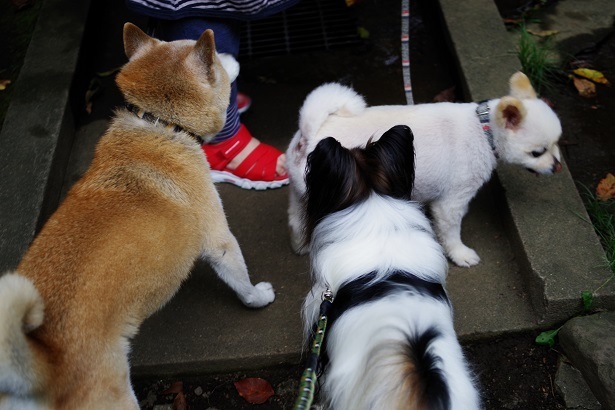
<point>255,165</point>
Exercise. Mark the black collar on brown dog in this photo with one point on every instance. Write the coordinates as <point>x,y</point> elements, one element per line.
<point>157,120</point>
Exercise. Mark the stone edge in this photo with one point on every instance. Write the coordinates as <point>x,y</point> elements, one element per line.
<point>38,129</point>
<point>486,59</point>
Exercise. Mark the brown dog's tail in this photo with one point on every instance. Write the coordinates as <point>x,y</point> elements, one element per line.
<point>21,311</point>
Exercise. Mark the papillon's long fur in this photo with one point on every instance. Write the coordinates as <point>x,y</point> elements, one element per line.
<point>390,341</point>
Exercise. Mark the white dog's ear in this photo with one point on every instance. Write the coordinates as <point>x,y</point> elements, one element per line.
<point>521,87</point>
<point>510,112</point>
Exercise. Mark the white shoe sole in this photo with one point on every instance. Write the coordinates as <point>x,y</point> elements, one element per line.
<point>227,177</point>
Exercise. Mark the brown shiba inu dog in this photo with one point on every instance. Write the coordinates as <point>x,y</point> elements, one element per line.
<point>125,237</point>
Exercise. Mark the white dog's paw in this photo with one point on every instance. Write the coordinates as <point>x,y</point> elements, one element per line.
<point>261,295</point>
<point>463,256</point>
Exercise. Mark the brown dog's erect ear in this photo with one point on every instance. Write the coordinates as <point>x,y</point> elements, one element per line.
<point>521,87</point>
<point>205,51</point>
<point>510,112</point>
<point>135,39</point>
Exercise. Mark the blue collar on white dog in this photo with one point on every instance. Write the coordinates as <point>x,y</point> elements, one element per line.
<point>483,116</point>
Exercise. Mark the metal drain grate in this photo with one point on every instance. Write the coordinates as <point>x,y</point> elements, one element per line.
<point>307,26</point>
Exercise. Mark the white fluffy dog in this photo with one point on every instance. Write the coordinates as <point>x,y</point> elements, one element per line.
<point>457,148</point>
<point>390,341</point>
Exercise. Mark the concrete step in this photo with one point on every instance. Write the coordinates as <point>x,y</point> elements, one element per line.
<point>589,343</point>
<point>573,389</point>
<point>38,130</point>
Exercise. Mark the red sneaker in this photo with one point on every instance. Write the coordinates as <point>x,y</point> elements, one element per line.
<point>256,171</point>
<point>243,102</point>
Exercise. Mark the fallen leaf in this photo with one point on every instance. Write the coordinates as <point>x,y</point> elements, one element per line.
<point>447,95</point>
<point>512,21</point>
<point>92,91</point>
<point>547,338</point>
<point>606,188</point>
<point>363,32</point>
<point>254,390</point>
<point>548,102</point>
<point>22,4</point>
<point>586,88</point>
<point>3,84</point>
<point>179,402</point>
<point>593,75</point>
<point>108,73</point>
<point>176,387</point>
<point>543,33</point>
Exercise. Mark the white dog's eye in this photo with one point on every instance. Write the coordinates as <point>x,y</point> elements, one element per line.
<point>538,152</point>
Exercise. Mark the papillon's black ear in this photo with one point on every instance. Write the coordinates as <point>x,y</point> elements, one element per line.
<point>333,180</point>
<point>391,162</point>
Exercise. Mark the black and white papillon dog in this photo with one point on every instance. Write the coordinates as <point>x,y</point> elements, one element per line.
<point>390,341</point>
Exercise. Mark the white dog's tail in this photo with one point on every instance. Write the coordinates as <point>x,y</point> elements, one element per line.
<point>21,311</point>
<point>330,98</point>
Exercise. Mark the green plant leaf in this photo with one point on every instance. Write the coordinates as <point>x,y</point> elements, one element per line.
<point>547,338</point>
<point>363,32</point>
<point>588,300</point>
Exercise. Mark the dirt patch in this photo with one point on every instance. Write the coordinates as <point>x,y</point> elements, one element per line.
<point>513,373</point>
<point>588,143</point>
<point>218,391</point>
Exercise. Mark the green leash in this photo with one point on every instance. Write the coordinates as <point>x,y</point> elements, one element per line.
<point>307,385</point>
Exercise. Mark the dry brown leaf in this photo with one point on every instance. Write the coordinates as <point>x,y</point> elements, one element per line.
<point>179,402</point>
<point>606,188</point>
<point>254,390</point>
<point>91,92</point>
<point>176,387</point>
<point>512,21</point>
<point>548,102</point>
<point>4,84</point>
<point>586,88</point>
<point>22,4</point>
<point>543,33</point>
<point>447,95</point>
